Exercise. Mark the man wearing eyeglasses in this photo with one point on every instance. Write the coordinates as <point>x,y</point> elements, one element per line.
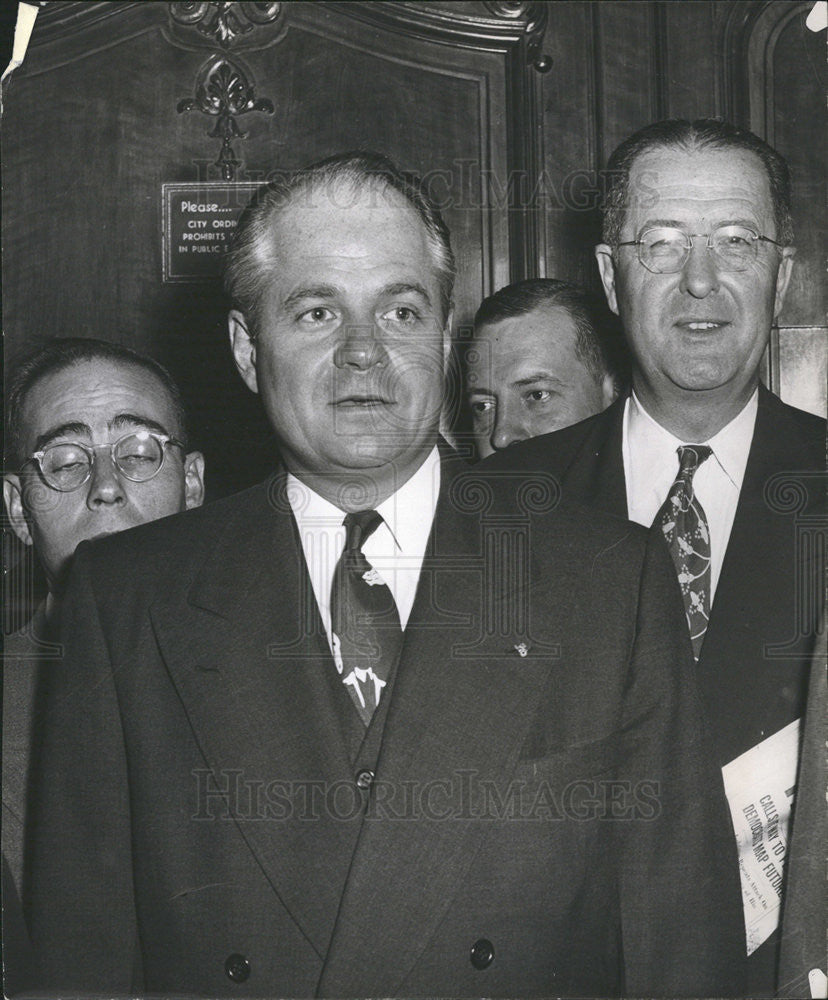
<point>696,261</point>
<point>96,434</point>
<point>95,431</point>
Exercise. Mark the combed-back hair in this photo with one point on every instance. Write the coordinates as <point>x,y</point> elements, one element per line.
<point>704,133</point>
<point>250,262</point>
<point>62,353</point>
<point>525,296</point>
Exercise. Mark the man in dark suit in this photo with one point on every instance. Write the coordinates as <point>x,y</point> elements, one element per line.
<point>403,758</point>
<point>96,439</point>
<point>696,260</point>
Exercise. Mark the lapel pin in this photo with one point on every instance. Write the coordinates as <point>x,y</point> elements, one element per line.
<point>522,648</point>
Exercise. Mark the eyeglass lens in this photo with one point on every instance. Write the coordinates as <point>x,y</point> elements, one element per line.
<point>665,250</point>
<point>67,466</point>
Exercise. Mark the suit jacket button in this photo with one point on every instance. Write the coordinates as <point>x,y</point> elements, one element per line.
<point>237,968</point>
<point>364,778</point>
<point>482,953</point>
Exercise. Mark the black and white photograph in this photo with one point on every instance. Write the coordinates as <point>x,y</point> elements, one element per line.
<point>414,480</point>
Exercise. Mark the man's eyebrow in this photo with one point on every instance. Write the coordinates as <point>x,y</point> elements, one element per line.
<point>136,420</point>
<point>675,224</point>
<point>72,428</point>
<point>78,429</point>
<point>746,223</point>
<point>667,223</point>
<point>538,377</point>
<point>310,292</point>
<point>331,291</point>
<point>479,391</point>
<point>405,288</point>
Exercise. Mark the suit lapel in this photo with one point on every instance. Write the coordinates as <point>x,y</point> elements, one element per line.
<point>755,603</point>
<point>761,533</point>
<point>595,476</point>
<point>742,586</point>
<point>247,653</point>
<point>462,704</point>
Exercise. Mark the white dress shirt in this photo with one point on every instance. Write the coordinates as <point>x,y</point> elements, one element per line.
<point>395,549</point>
<point>651,466</point>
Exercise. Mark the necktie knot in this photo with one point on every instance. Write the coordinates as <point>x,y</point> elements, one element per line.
<point>691,457</point>
<point>359,526</point>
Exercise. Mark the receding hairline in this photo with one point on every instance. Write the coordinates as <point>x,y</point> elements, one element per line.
<point>691,137</point>
<point>695,147</point>
<point>247,262</point>
<point>366,186</point>
<point>176,428</point>
<point>268,249</point>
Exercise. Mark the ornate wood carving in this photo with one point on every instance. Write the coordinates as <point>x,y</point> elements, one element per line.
<point>222,88</point>
<point>225,21</point>
<point>534,17</point>
<point>224,92</point>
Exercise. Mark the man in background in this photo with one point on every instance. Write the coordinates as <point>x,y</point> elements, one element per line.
<point>536,363</point>
<point>696,260</point>
<point>96,435</point>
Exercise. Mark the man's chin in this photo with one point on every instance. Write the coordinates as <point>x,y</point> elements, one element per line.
<point>371,469</point>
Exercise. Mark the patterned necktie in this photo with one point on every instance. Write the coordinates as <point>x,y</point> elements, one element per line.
<point>365,624</point>
<point>685,527</point>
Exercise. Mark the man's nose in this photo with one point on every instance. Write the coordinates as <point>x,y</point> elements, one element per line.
<point>509,427</point>
<point>700,274</point>
<point>105,483</point>
<point>359,348</point>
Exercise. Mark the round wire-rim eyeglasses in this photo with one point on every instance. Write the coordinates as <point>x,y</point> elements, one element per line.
<point>665,249</point>
<point>138,456</point>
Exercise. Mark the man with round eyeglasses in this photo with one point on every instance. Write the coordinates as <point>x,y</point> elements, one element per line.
<point>138,457</point>
<point>665,249</point>
<point>96,436</point>
<point>96,441</point>
<point>696,260</point>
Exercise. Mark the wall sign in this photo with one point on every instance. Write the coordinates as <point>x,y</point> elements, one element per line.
<point>199,222</point>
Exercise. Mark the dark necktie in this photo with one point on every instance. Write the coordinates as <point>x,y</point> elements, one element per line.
<point>365,624</point>
<point>685,527</point>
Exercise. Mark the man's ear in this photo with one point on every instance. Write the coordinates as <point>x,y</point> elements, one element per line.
<point>609,390</point>
<point>193,479</point>
<point>783,277</point>
<point>243,346</point>
<point>606,267</point>
<point>447,338</point>
<point>13,496</point>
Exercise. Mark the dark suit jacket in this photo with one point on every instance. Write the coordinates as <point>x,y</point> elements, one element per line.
<point>26,655</point>
<point>196,800</point>
<point>756,655</point>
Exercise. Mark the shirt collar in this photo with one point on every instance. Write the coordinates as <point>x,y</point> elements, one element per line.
<point>408,513</point>
<point>730,445</point>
